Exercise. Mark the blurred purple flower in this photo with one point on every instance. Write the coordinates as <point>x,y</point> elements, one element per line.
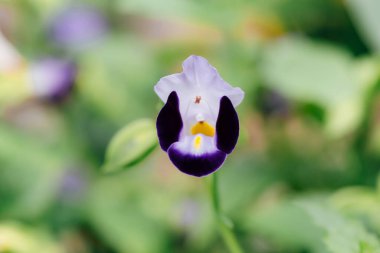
<point>273,104</point>
<point>190,212</point>
<point>72,186</point>
<point>52,78</point>
<point>78,26</point>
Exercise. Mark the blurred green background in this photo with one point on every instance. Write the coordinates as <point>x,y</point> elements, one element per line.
<point>304,175</point>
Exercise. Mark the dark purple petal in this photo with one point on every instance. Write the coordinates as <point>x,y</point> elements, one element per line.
<point>227,126</point>
<point>196,165</point>
<point>169,122</point>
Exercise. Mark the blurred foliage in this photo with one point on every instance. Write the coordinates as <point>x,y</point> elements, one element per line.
<point>304,175</point>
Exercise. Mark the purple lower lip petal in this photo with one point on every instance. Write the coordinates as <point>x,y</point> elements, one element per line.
<point>196,165</point>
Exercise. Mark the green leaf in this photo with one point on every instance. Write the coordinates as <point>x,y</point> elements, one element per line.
<point>366,17</point>
<point>341,234</point>
<point>346,115</point>
<point>308,71</point>
<point>362,202</point>
<point>286,224</point>
<point>131,145</point>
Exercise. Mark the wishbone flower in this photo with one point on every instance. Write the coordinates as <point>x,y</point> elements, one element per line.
<point>198,125</point>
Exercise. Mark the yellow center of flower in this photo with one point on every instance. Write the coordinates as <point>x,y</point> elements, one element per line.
<point>203,128</point>
<point>197,142</point>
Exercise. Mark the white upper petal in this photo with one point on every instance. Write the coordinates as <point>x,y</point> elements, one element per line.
<point>198,78</point>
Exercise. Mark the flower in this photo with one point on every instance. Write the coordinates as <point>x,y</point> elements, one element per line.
<point>78,26</point>
<point>198,125</point>
<point>273,104</point>
<point>72,185</point>
<point>52,78</point>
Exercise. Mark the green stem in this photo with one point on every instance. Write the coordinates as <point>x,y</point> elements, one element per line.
<point>225,227</point>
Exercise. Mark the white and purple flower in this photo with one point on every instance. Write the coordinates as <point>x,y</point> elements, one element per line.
<point>52,78</point>
<point>198,125</point>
